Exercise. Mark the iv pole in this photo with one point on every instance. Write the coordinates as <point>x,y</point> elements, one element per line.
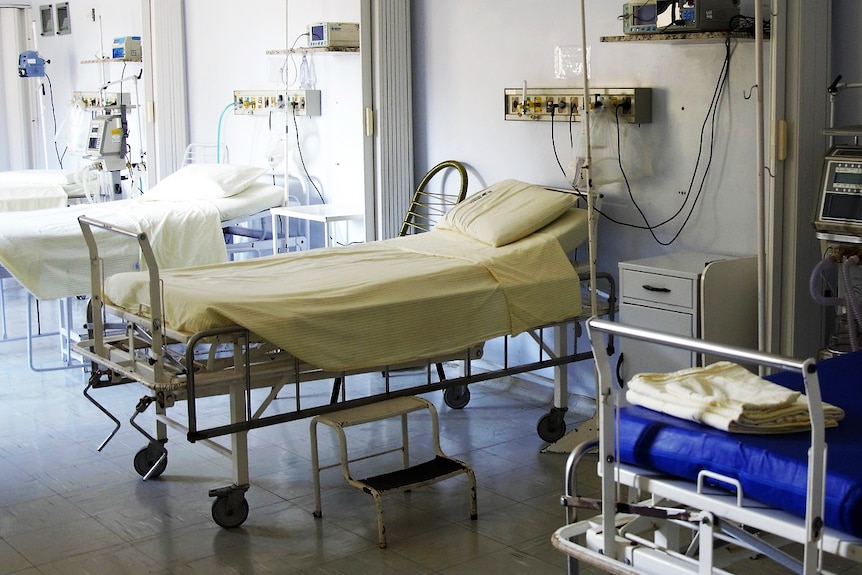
<point>761,180</point>
<point>40,108</point>
<point>592,215</point>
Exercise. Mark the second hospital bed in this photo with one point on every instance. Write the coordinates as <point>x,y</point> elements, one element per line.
<point>22,190</point>
<point>183,214</point>
<point>295,319</point>
<point>702,499</point>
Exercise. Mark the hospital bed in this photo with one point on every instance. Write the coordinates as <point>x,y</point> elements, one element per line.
<point>302,319</point>
<point>701,499</point>
<point>183,216</point>
<point>22,190</point>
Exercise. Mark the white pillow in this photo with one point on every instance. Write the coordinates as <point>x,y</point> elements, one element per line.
<point>506,212</point>
<point>204,182</point>
<point>38,177</point>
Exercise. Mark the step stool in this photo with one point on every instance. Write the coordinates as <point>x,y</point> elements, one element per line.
<point>410,477</point>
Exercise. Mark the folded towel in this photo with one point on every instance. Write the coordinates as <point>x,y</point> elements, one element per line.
<point>726,396</point>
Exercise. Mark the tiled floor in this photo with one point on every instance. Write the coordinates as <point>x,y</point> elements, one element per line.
<point>67,509</point>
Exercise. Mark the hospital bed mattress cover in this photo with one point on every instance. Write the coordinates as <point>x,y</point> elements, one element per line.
<point>379,303</point>
<point>771,468</point>
<point>46,252</point>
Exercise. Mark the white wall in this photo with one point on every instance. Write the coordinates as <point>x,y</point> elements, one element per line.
<point>469,52</point>
<point>226,51</point>
<point>90,38</point>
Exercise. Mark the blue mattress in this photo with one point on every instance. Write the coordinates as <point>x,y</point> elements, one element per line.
<point>771,468</point>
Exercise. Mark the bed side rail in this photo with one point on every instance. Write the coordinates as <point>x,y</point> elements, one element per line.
<point>96,278</point>
<point>608,392</point>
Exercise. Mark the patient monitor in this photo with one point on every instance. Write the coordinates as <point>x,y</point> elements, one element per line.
<point>838,223</point>
<point>106,141</point>
<point>839,209</point>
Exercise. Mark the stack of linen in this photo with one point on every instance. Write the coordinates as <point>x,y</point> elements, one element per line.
<point>726,396</point>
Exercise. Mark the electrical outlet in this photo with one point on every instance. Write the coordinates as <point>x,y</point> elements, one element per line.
<point>543,104</point>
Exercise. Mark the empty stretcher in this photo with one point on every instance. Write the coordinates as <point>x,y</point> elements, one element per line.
<point>703,498</point>
<point>299,318</point>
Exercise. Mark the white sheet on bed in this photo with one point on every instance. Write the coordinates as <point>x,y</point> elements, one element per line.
<point>60,185</point>
<point>23,197</point>
<point>377,303</point>
<point>46,252</point>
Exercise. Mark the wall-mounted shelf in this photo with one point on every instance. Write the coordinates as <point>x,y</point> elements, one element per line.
<point>109,60</point>
<point>681,37</point>
<point>282,52</point>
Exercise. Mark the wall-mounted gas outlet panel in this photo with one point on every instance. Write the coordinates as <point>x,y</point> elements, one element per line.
<point>565,104</point>
<point>100,100</point>
<point>257,102</point>
<point>261,102</point>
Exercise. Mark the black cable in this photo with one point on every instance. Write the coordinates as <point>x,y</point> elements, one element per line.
<point>54,116</point>
<point>710,119</point>
<point>302,159</point>
<point>553,141</point>
<point>122,107</point>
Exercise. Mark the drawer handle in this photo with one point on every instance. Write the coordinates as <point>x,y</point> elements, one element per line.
<point>656,289</point>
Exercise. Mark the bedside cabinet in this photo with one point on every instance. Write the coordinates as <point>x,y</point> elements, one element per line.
<point>702,295</point>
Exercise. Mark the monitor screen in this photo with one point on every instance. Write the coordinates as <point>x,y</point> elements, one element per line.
<point>318,33</point>
<point>644,14</point>
<point>843,207</point>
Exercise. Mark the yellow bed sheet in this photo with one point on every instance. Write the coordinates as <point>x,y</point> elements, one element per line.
<point>380,303</point>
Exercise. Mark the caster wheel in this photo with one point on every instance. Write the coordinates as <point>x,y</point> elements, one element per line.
<point>229,515</point>
<point>457,397</point>
<point>146,458</point>
<point>551,427</point>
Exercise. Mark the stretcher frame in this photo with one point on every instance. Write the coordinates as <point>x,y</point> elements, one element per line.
<point>644,531</point>
<point>232,361</point>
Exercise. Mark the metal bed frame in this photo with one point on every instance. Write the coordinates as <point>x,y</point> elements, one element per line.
<point>230,361</point>
<point>648,529</point>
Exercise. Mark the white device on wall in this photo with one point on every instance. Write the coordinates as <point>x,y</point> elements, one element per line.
<point>333,35</point>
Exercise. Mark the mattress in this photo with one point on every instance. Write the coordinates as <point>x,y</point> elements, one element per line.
<point>46,252</point>
<point>379,303</point>
<point>772,469</point>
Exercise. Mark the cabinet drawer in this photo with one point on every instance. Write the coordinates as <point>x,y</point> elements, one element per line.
<point>643,357</point>
<point>657,288</point>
